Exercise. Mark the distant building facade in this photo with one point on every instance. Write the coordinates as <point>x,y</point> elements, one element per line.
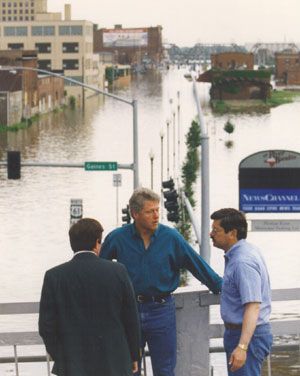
<point>131,45</point>
<point>25,92</point>
<point>287,68</point>
<point>21,10</point>
<point>232,60</point>
<point>61,44</point>
<point>232,77</point>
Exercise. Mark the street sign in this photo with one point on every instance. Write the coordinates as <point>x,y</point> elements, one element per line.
<point>75,210</point>
<point>275,225</point>
<point>117,180</point>
<point>101,166</point>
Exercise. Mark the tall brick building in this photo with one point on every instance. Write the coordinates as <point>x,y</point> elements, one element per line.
<point>287,68</point>
<point>131,45</point>
<point>232,60</point>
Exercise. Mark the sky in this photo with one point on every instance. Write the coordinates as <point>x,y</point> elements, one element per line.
<point>186,22</point>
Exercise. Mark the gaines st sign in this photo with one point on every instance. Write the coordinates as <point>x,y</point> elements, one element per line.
<point>269,182</point>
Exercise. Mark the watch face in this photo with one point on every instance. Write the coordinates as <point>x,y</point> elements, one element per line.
<point>243,347</point>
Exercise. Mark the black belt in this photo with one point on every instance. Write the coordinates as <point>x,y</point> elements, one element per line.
<point>229,325</point>
<point>154,299</point>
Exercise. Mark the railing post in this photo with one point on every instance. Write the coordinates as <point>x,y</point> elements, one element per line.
<point>16,360</point>
<point>192,322</point>
<point>48,363</point>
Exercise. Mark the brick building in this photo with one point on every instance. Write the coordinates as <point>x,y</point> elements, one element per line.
<point>287,68</point>
<point>131,46</point>
<point>232,60</point>
<point>29,79</point>
<point>38,93</point>
<point>50,92</point>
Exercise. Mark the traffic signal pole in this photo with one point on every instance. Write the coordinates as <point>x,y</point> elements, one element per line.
<point>204,173</point>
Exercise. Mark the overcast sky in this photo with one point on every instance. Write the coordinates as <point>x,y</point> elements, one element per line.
<point>186,22</point>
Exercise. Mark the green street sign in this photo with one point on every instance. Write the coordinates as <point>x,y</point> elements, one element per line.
<point>100,166</point>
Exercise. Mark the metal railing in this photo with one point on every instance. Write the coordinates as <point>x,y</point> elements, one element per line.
<point>187,314</point>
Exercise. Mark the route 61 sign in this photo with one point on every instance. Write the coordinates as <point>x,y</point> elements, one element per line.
<point>75,210</point>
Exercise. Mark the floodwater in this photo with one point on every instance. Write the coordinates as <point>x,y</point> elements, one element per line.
<point>35,211</point>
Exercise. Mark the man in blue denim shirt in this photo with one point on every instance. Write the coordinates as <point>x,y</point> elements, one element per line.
<point>153,255</point>
<point>245,296</point>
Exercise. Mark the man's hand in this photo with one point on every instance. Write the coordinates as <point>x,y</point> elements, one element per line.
<point>135,367</point>
<point>237,359</point>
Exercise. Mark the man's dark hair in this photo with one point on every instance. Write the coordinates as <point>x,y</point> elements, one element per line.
<point>232,219</point>
<point>84,234</point>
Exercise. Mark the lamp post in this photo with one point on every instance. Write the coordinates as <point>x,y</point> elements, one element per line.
<point>179,135</point>
<point>133,103</point>
<point>151,156</point>
<point>162,135</point>
<point>168,148</point>
<point>174,145</point>
<point>204,173</point>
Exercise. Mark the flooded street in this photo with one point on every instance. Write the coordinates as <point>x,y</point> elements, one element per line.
<point>35,211</point>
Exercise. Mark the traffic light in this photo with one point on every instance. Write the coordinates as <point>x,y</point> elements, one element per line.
<point>126,218</point>
<point>171,203</point>
<point>13,165</point>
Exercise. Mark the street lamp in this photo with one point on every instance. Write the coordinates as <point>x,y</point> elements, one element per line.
<point>204,173</point>
<point>162,135</point>
<point>133,166</point>
<point>174,144</point>
<point>151,156</point>
<point>168,148</point>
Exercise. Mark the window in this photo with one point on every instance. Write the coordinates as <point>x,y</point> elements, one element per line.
<point>70,47</point>
<point>44,48</point>
<point>70,30</point>
<point>15,46</point>
<point>42,30</point>
<point>71,64</point>
<point>44,64</point>
<point>15,31</point>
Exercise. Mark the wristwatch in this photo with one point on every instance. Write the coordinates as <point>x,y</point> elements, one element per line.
<point>243,346</point>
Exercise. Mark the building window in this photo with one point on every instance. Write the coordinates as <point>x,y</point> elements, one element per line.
<point>43,48</point>
<point>70,47</point>
<point>3,5</point>
<point>42,30</point>
<point>15,46</point>
<point>44,64</point>
<point>15,31</point>
<point>71,64</point>
<point>70,30</point>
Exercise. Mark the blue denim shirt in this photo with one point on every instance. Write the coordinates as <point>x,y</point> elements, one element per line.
<point>245,280</point>
<point>156,270</point>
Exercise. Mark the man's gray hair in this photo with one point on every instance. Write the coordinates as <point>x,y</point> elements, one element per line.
<point>139,196</point>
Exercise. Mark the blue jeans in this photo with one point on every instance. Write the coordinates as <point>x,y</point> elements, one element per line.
<point>258,349</point>
<point>158,326</point>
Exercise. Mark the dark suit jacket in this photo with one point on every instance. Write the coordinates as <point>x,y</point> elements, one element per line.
<point>88,318</point>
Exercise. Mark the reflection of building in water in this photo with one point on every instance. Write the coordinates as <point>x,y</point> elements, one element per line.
<point>131,46</point>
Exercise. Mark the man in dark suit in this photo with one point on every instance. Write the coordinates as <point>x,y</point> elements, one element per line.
<point>88,317</point>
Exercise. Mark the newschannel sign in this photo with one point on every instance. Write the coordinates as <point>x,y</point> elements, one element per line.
<point>269,182</point>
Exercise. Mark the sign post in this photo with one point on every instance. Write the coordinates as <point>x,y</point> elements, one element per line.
<point>117,182</point>
<point>75,210</point>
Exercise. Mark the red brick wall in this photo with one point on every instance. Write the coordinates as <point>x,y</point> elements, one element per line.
<point>232,60</point>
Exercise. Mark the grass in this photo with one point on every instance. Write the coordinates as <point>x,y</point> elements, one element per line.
<point>278,97</point>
